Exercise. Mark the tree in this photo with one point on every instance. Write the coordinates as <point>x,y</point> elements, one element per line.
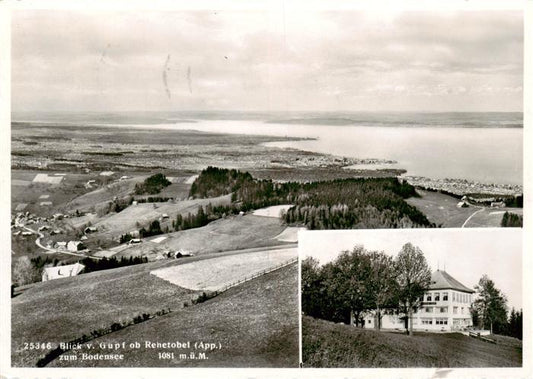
<point>414,277</point>
<point>382,284</point>
<point>348,283</point>
<point>24,271</point>
<point>312,288</point>
<point>490,305</point>
<point>515,324</point>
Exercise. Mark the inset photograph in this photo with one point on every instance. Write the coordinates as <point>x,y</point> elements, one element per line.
<point>412,298</point>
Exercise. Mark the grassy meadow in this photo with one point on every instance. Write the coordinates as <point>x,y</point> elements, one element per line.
<point>256,324</point>
<point>326,344</point>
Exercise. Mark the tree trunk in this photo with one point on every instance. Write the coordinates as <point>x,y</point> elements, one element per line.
<point>491,327</point>
<point>351,318</point>
<point>410,321</point>
<point>378,318</point>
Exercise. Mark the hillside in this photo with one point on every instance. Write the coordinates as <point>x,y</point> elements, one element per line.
<point>143,213</point>
<point>326,344</point>
<point>64,309</point>
<point>230,233</point>
<point>256,324</point>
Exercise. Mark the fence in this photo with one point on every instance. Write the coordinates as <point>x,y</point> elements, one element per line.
<point>256,275</point>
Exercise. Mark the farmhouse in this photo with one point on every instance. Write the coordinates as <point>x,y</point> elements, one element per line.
<point>58,272</point>
<point>90,229</point>
<point>75,246</point>
<point>61,245</point>
<point>445,307</point>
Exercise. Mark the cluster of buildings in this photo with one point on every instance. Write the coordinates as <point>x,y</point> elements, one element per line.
<point>462,186</point>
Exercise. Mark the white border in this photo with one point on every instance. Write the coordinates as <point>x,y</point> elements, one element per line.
<point>5,189</point>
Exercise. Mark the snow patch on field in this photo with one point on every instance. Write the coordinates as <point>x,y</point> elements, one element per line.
<point>217,273</point>
<point>191,179</point>
<point>44,196</point>
<point>45,178</point>
<point>290,234</point>
<point>273,211</point>
<point>21,206</point>
<point>158,239</point>
<point>105,253</point>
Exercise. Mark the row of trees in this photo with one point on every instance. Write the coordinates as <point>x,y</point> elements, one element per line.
<point>203,216</point>
<point>360,281</point>
<point>512,220</point>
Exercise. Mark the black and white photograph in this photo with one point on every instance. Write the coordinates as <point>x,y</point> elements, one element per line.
<point>412,298</point>
<point>176,176</point>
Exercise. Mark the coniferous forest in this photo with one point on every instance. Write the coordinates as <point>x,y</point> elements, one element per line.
<point>356,203</point>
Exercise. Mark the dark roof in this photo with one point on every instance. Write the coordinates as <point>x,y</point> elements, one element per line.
<point>441,280</point>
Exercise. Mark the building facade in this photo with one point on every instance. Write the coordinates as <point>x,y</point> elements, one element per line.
<point>445,307</point>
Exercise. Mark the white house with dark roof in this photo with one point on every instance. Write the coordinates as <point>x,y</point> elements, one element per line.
<point>445,307</point>
<point>58,272</point>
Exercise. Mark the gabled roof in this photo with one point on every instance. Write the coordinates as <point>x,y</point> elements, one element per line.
<point>441,280</point>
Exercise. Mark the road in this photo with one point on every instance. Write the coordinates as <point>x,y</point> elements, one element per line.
<point>472,215</point>
<point>50,250</point>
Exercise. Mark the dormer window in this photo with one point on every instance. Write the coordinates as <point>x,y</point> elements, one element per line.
<point>428,297</point>
<point>445,296</point>
<point>437,296</point>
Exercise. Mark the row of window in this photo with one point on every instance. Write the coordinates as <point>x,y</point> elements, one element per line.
<point>443,310</point>
<point>438,321</point>
<point>456,297</point>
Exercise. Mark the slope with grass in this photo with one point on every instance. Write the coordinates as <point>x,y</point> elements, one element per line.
<point>143,213</point>
<point>64,309</point>
<point>326,344</point>
<point>442,210</point>
<point>255,323</point>
<point>230,233</point>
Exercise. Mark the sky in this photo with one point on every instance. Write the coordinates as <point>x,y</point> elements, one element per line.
<point>267,60</point>
<point>466,254</point>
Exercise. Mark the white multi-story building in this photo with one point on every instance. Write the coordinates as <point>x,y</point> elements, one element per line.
<point>445,307</point>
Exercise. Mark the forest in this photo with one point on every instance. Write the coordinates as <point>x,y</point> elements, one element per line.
<point>355,203</point>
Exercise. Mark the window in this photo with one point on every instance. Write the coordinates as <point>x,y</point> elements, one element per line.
<point>462,310</point>
<point>428,297</point>
<point>437,296</point>
<point>453,296</point>
<point>427,321</point>
<point>429,309</point>
<point>445,296</point>
<point>441,321</point>
<point>454,310</point>
<point>443,309</point>
<point>370,321</point>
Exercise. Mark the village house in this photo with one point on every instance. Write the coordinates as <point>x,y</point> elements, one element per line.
<point>90,229</point>
<point>58,272</point>
<point>61,245</point>
<point>445,307</point>
<point>75,246</point>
